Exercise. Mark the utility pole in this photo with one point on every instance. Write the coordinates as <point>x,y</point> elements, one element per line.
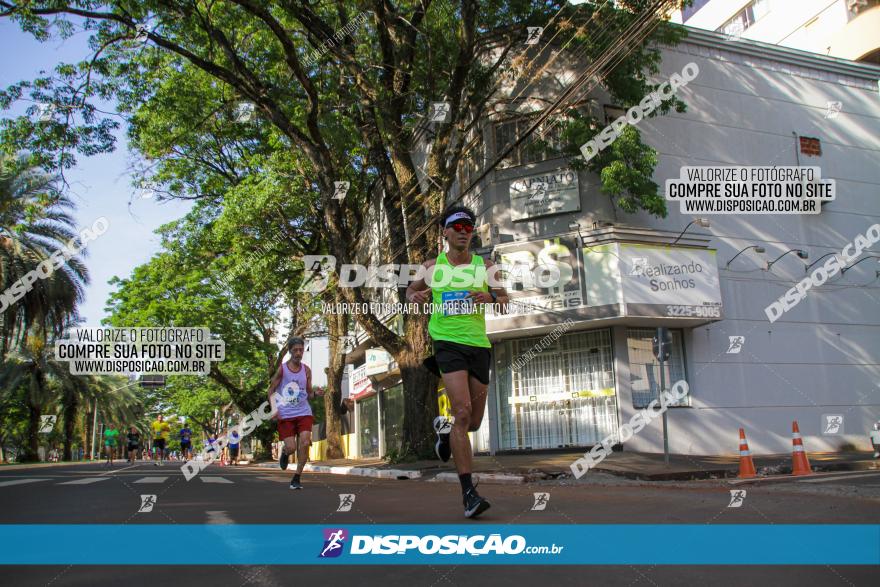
<point>662,347</point>
<point>94,430</point>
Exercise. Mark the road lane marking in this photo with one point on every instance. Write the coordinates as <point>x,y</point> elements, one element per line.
<point>112,471</point>
<point>838,478</point>
<point>20,482</point>
<point>218,517</point>
<point>151,480</point>
<point>86,481</point>
<point>278,479</point>
<point>214,480</point>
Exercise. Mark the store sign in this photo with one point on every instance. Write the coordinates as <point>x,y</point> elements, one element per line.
<point>378,361</point>
<point>668,281</point>
<point>611,280</point>
<point>523,279</point>
<point>540,195</point>
<point>653,281</point>
<point>361,384</point>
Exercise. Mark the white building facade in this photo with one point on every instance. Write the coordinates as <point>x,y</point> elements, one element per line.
<point>591,366</point>
<point>751,105</point>
<point>839,28</point>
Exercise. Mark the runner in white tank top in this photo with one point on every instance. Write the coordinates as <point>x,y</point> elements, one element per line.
<point>294,381</point>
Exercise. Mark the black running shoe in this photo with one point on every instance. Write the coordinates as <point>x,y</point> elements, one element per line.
<point>283,460</point>
<point>295,484</point>
<point>443,427</point>
<point>474,505</point>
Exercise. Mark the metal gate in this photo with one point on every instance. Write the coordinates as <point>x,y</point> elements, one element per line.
<point>564,396</point>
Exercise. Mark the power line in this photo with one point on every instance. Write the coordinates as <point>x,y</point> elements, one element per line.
<point>635,33</point>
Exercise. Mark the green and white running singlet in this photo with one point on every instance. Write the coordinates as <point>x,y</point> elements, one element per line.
<point>455,319</point>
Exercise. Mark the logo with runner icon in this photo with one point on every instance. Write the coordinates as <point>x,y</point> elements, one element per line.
<point>541,500</point>
<point>832,424</point>
<point>737,498</point>
<point>346,500</point>
<point>147,503</point>
<point>47,423</point>
<point>334,542</point>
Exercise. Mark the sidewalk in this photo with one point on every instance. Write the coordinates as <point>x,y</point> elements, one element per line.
<point>519,468</point>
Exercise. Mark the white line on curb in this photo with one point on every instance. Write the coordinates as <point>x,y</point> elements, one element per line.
<point>483,478</point>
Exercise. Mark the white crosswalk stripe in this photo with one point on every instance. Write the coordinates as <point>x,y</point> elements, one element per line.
<point>278,479</point>
<point>152,480</point>
<point>87,481</point>
<point>215,480</point>
<point>20,482</point>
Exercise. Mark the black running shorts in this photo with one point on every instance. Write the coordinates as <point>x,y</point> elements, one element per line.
<point>159,443</point>
<point>452,356</point>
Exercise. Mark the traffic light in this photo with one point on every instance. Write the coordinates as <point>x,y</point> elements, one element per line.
<point>152,381</point>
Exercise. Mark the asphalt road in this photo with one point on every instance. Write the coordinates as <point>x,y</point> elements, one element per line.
<point>89,494</point>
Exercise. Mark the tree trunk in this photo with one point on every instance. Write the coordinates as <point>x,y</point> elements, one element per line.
<point>31,453</point>
<point>87,429</point>
<point>338,328</point>
<point>419,390</point>
<point>265,433</point>
<point>69,416</point>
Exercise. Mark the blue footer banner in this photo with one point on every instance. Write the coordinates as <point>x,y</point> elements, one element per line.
<point>415,544</point>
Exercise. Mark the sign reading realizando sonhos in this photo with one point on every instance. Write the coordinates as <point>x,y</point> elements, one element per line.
<point>654,281</point>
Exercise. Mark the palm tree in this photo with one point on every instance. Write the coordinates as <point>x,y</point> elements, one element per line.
<point>35,222</point>
<point>30,366</point>
<point>116,401</point>
<point>47,382</point>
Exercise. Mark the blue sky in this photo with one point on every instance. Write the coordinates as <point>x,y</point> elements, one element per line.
<point>100,185</point>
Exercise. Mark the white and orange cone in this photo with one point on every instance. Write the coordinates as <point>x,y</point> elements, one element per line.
<point>800,465</point>
<point>746,465</point>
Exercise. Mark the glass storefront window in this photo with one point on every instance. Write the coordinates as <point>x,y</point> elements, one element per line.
<point>563,396</point>
<point>368,422</point>
<point>644,369</point>
<point>392,418</point>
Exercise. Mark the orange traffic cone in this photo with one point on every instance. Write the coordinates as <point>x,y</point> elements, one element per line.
<point>800,465</point>
<point>746,465</point>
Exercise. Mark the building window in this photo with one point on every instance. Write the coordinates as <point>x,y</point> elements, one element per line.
<point>471,163</point>
<point>857,7</point>
<point>811,146</point>
<point>612,113</point>
<point>545,143</point>
<point>644,370</point>
<point>368,422</point>
<point>688,11</point>
<point>745,17</point>
<point>392,418</point>
<point>562,396</point>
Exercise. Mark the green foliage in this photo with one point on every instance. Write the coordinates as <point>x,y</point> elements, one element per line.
<point>35,221</point>
<point>352,111</point>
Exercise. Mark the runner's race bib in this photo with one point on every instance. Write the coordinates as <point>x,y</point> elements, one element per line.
<point>291,394</point>
<point>456,303</point>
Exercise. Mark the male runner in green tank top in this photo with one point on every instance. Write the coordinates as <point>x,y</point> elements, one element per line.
<point>461,347</point>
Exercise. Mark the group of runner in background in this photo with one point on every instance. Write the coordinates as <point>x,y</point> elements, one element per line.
<point>136,446</point>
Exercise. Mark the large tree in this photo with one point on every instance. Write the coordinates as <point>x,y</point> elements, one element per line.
<point>340,102</point>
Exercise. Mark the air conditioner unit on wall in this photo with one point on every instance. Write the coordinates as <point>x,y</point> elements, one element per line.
<point>489,234</point>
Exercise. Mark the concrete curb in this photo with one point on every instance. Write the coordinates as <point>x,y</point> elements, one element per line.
<point>355,471</point>
<point>842,474</point>
<point>362,472</point>
<point>42,465</point>
<point>489,478</point>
